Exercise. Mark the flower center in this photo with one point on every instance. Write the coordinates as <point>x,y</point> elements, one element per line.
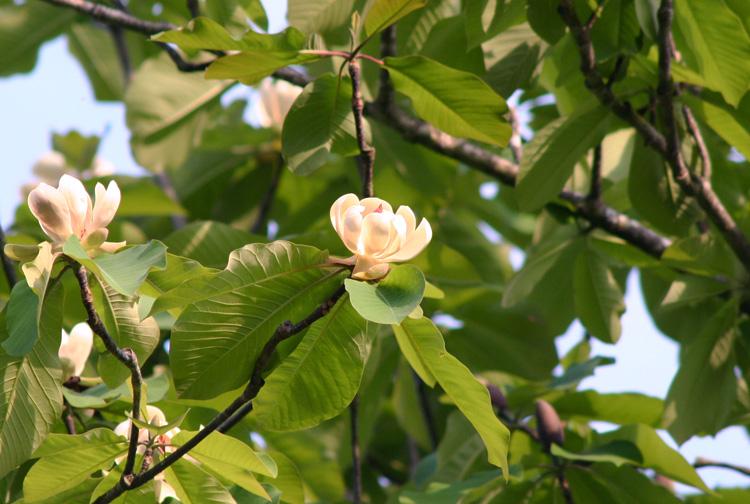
<point>379,209</point>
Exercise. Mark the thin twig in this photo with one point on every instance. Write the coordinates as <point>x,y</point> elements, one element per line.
<point>264,209</point>
<point>237,410</point>
<point>366,158</point>
<point>388,46</point>
<point>194,8</point>
<point>69,418</point>
<point>8,268</point>
<point>121,46</point>
<point>356,454</point>
<point>595,191</point>
<point>701,462</point>
<point>112,16</point>
<point>695,132</point>
<point>125,355</point>
<point>424,405</point>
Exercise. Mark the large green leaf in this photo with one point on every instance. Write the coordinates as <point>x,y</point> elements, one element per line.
<point>67,460</point>
<point>216,339</point>
<point>178,271</point>
<point>208,242</point>
<point>319,15</point>
<point>731,124</point>
<point>193,485</point>
<point>94,48</point>
<point>391,299</point>
<point>459,384</point>
<point>484,19</point>
<point>457,102</point>
<point>31,399</point>
<point>598,298</point>
<point>702,393</point>
<point>23,307</point>
<point>23,29</point>
<point>231,459</point>
<point>319,122</point>
<point>718,41</point>
<point>550,157</point>
<point>252,65</point>
<point>384,13</point>
<point>120,316</point>
<point>124,271</point>
<point>623,408</point>
<point>655,454</point>
<point>320,377</point>
<point>623,485</point>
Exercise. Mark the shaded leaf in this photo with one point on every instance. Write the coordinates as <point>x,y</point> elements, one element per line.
<point>391,299</point>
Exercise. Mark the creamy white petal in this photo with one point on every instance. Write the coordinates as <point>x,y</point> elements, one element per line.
<point>111,247</point>
<point>415,243</point>
<point>106,204</point>
<point>396,239</point>
<point>76,346</point>
<point>409,218</point>
<point>352,227</point>
<point>373,204</point>
<point>51,210</point>
<point>368,268</point>
<point>376,233</point>
<point>79,203</point>
<point>339,208</point>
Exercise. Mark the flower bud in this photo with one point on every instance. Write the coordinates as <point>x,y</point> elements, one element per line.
<point>377,236</point>
<point>68,211</point>
<point>21,253</point>
<point>75,349</point>
<point>497,398</point>
<point>549,425</point>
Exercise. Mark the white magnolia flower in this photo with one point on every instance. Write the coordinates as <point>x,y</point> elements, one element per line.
<point>52,165</point>
<point>67,210</point>
<point>76,347</point>
<point>155,417</point>
<point>276,98</point>
<point>376,235</point>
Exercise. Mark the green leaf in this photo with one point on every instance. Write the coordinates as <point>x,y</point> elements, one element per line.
<point>157,430</point>
<point>444,493</point>
<point>550,157</point>
<point>217,338</point>
<point>141,197</point>
<point>616,452</point>
<point>251,66</point>
<point>230,459</point>
<point>79,150</point>
<point>205,33</point>
<point>598,297</point>
<point>457,102</point>
<point>655,454</point>
<point>193,485</point>
<point>67,460</point>
<point>719,43</point>
<point>288,480</point>
<point>460,385</point>
<point>702,393</point>
<point>543,18</point>
<point>485,19</point>
<point>577,372</point>
<point>119,313</point>
<point>94,48</point>
<point>208,242</point>
<point>178,271</point>
<point>616,31</point>
<point>319,122</point>
<point>319,16</point>
<point>622,485</point>
<point>731,124</point>
<point>390,300</point>
<point>23,29</point>
<point>320,377</point>
<point>124,271</point>
<point>384,13</point>
<point>23,307</point>
<point>688,290</point>
<point>31,394</point>
<point>621,408</point>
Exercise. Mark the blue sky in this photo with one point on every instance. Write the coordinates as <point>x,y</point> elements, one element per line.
<point>56,98</point>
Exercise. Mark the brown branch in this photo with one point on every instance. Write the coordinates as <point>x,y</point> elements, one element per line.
<point>356,453</point>
<point>68,418</point>
<point>112,16</point>
<point>194,8</point>
<point>595,190</point>
<point>366,158</point>
<point>8,268</point>
<point>695,132</point>
<point>237,410</point>
<point>123,55</point>
<point>125,355</point>
<point>701,462</point>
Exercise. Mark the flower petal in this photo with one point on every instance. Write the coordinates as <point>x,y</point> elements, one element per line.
<point>76,347</point>
<point>372,204</point>
<point>415,243</point>
<point>352,228</point>
<point>111,247</point>
<point>408,216</point>
<point>105,205</point>
<point>376,233</point>
<point>369,268</point>
<point>51,210</point>
<point>79,203</point>
<point>339,208</point>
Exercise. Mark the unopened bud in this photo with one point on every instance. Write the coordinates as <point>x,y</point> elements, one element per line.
<point>497,398</point>
<point>549,425</point>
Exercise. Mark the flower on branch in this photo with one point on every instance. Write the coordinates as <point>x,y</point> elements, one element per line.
<point>75,349</point>
<point>276,98</point>
<point>68,211</point>
<point>376,235</point>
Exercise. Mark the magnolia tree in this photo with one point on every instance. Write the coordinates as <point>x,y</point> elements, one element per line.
<point>246,322</point>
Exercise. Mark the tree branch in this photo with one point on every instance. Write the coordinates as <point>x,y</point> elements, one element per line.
<point>125,355</point>
<point>695,132</point>
<point>366,158</point>
<point>237,410</point>
<point>701,462</point>
<point>8,268</point>
<point>194,8</point>
<point>595,191</point>
<point>424,405</point>
<point>112,16</point>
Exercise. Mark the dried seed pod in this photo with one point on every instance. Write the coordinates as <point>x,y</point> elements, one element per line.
<point>549,425</point>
